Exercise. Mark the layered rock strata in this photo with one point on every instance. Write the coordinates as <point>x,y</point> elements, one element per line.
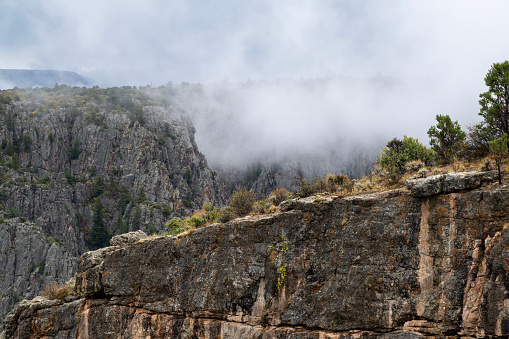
<point>385,265</point>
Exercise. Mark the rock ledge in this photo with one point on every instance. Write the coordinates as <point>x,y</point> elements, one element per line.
<point>447,183</point>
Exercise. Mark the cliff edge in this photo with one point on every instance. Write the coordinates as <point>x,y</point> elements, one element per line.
<point>395,264</point>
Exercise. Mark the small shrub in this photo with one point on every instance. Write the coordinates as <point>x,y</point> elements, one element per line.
<point>262,206</point>
<point>197,221</point>
<point>176,226</point>
<point>242,202</point>
<point>207,206</point>
<point>54,290</point>
<point>43,180</point>
<point>213,214</point>
<point>166,211</point>
<point>226,214</point>
<point>333,182</point>
<point>11,213</point>
<point>306,188</point>
<point>280,195</point>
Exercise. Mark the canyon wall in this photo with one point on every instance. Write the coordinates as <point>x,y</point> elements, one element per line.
<point>431,261</point>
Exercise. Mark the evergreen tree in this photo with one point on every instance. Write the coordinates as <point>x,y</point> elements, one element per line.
<point>98,186</point>
<point>136,221</point>
<point>15,163</point>
<point>495,102</point>
<point>9,148</point>
<point>99,235</point>
<point>446,138</point>
<point>500,151</point>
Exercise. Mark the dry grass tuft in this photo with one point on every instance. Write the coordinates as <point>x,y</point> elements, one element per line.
<point>55,290</point>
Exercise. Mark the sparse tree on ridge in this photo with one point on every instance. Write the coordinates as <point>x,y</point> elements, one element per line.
<point>495,102</point>
<point>446,138</point>
<point>500,151</point>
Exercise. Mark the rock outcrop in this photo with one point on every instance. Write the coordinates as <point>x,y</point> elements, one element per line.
<point>69,155</point>
<point>447,183</point>
<point>384,265</point>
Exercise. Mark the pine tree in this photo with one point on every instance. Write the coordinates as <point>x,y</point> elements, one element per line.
<point>495,102</point>
<point>136,221</point>
<point>446,138</point>
<point>15,163</point>
<point>99,235</point>
<point>500,152</point>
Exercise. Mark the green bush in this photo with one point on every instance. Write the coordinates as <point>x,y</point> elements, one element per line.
<point>399,152</point>
<point>207,206</point>
<point>11,213</point>
<point>197,221</point>
<point>242,202</point>
<point>176,226</point>
<point>213,214</point>
<point>166,211</point>
<point>446,138</point>
<point>226,214</point>
<point>306,188</point>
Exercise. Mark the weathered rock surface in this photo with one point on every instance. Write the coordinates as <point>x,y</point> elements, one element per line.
<point>77,145</point>
<point>385,265</point>
<point>447,183</point>
<point>28,260</point>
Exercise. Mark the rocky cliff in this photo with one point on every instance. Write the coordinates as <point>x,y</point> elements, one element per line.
<point>78,165</point>
<point>432,261</point>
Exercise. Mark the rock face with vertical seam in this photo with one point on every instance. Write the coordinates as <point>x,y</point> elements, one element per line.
<point>385,265</point>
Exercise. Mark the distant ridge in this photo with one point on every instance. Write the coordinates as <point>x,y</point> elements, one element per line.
<point>10,78</point>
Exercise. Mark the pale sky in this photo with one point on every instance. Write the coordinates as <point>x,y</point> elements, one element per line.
<point>156,41</point>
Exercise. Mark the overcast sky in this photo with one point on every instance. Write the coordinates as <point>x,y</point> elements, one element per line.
<point>156,41</point>
<point>448,45</point>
